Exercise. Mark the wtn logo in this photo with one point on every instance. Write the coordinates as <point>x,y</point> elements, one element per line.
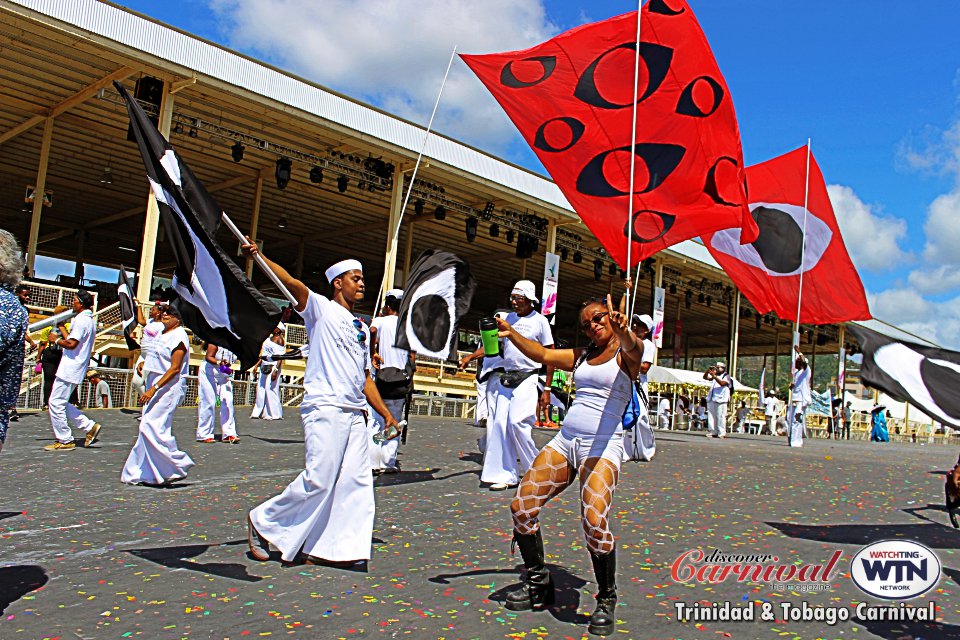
<point>895,569</point>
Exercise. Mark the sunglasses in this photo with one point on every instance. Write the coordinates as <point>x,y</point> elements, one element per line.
<point>361,336</point>
<point>595,320</point>
<point>517,298</point>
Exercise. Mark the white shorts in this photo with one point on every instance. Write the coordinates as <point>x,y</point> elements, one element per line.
<point>578,449</point>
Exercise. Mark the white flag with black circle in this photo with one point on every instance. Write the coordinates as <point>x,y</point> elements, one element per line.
<point>436,297</point>
<point>926,377</point>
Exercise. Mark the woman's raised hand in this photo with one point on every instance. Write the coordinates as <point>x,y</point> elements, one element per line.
<point>618,321</point>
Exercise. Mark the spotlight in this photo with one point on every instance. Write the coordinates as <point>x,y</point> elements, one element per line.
<point>709,300</point>
<point>488,211</point>
<point>648,265</point>
<point>316,175</point>
<point>418,207</point>
<point>361,185</point>
<point>494,230</point>
<point>688,298</point>
<point>701,298</point>
<point>282,223</point>
<point>821,339</point>
<point>107,176</point>
<point>193,132</point>
<point>471,229</point>
<point>178,129</point>
<point>673,288</point>
<point>237,152</point>
<point>440,212</point>
<point>612,269</point>
<point>759,320</point>
<point>510,234</point>
<point>282,173</point>
<point>577,257</point>
<point>564,252</point>
<point>342,183</point>
<point>598,269</point>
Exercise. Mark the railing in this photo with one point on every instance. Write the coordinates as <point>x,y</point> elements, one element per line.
<point>46,297</point>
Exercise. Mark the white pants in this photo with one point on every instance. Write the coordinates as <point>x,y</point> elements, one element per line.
<point>63,414</point>
<point>155,458</point>
<point>384,455</point>
<point>208,390</point>
<point>268,405</point>
<point>716,418</point>
<point>509,431</point>
<point>481,411</point>
<point>327,511</point>
<point>795,424</point>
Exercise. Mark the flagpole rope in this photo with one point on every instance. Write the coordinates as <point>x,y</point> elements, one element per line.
<point>258,259</point>
<point>803,253</point>
<point>413,176</point>
<point>631,296</point>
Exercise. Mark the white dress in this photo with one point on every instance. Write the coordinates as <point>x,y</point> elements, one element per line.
<point>155,458</point>
<point>383,456</point>
<point>267,405</point>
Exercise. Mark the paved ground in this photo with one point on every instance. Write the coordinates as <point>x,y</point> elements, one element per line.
<point>84,556</point>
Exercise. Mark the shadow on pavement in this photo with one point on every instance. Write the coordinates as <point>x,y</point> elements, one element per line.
<point>567,584</point>
<point>933,535</point>
<point>271,440</point>
<point>18,581</point>
<point>9,514</point>
<point>412,477</point>
<point>179,558</point>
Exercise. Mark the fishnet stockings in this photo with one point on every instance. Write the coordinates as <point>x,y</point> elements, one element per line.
<point>549,475</point>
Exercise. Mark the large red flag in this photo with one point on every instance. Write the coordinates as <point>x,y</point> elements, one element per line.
<point>572,97</point>
<point>767,270</point>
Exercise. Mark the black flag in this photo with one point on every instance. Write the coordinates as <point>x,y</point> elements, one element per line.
<point>215,298</point>
<point>128,311</point>
<point>437,296</point>
<point>926,377</point>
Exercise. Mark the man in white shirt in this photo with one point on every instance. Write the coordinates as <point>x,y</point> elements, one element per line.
<point>511,419</point>
<point>327,512</point>
<point>801,399</point>
<point>393,365</point>
<point>717,400</point>
<point>770,412</point>
<point>639,443</point>
<point>102,398</point>
<point>663,413</point>
<point>77,347</point>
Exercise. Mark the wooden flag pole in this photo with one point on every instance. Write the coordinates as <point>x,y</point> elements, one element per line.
<point>413,176</point>
<point>633,160</point>
<point>259,259</point>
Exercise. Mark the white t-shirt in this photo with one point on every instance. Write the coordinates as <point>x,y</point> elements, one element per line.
<point>338,372</point>
<point>769,406</point>
<point>718,392</point>
<point>270,348</point>
<point>73,364</point>
<point>221,355</point>
<point>801,386</point>
<point>392,355</point>
<point>151,331</point>
<point>103,389</point>
<point>648,351</point>
<point>532,327</point>
<point>663,408</point>
<point>164,346</point>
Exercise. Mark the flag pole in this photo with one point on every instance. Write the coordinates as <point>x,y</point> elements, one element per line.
<point>803,252</point>
<point>631,297</point>
<point>259,259</point>
<point>413,176</point>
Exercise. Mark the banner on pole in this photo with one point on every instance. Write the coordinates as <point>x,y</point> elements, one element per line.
<point>551,270</point>
<point>659,302</point>
<point>842,371</point>
<point>762,387</point>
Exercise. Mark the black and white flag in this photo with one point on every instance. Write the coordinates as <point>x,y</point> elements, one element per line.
<point>128,311</point>
<point>926,377</point>
<point>436,297</point>
<point>216,299</point>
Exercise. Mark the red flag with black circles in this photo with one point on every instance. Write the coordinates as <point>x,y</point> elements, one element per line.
<point>572,100</point>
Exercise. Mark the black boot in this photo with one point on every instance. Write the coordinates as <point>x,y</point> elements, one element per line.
<point>604,619</point>
<point>537,591</point>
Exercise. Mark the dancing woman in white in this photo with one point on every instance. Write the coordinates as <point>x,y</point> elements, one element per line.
<point>327,511</point>
<point>155,458</point>
<point>589,447</point>
<point>215,390</point>
<point>267,404</point>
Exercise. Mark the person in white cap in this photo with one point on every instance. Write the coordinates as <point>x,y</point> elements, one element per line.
<point>717,400</point>
<point>215,390</point>
<point>799,400</point>
<point>327,512</point>
<point>394,378</point>
<point>267,405</point>
<point>510,449</point>
<point>639,441</point>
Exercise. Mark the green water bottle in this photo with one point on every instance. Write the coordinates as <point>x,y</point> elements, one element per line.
<point>489,334</point>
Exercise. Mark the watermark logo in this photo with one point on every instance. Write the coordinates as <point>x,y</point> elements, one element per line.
<point>715,567</point>
<point>895,569</point>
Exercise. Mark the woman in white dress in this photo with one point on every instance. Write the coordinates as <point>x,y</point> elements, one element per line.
<point>589,447</point>
<point>155,458</point>
<point>267,405</point>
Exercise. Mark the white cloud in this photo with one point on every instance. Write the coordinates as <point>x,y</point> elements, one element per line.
<point>907,309</point>
<point>873,240</point>
<point>393,53</point>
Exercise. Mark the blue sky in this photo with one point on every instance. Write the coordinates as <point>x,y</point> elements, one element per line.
<point>875,85</point>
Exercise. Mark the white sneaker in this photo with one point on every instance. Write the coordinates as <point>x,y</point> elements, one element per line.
<point>499,486</point>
